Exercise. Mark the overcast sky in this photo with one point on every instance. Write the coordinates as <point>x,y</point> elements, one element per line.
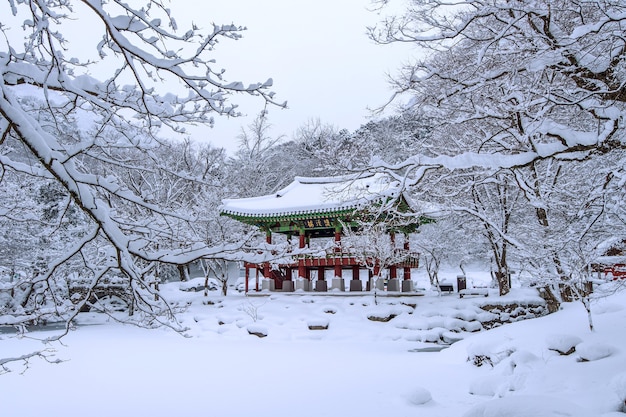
<point>316,51</point>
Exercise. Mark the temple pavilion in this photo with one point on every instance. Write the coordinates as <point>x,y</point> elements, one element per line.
<point>320,208</point>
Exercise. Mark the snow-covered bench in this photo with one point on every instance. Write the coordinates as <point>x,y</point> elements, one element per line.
<point>446,288</point>
<point>474,291</point>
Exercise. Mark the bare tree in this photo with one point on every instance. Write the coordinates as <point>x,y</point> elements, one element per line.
<point>218,268</point>
<point>372,246</point>
<point>252,168</point>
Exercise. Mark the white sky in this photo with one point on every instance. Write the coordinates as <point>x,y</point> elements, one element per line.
<point>317,53</point>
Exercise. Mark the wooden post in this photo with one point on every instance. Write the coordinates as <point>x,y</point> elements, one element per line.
<point>338,273</point>
<point>355,272</point>
<point>247,277</point>
<point>393,269</point>
<point>407,269</point>
<point>266,265</point>
<point>301,245</point>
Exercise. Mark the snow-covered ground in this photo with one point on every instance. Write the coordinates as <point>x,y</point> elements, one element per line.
<point>354,367</point>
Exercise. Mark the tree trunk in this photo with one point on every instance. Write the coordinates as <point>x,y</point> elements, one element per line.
<point>183,273</point>
<point>224,285</point>
<point>504,284</point>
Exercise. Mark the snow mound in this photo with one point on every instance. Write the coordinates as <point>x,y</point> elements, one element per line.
<point>329,309</point>
<point>465,314</point>
<point>563,343</point>
<point>590,351</point>
<point>319,323</point>
<point>489,352</point>
<point>419,396</point>
<point>523,358</point>
<point>257,330</point>
<point>618,384</point>
<point>607,308</point>
<point>489,385</point>
<point>527,406</point>
<point>433,335</point>
<point>385,313</point>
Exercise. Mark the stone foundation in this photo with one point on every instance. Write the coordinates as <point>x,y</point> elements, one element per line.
<point>338,284</point>
<point>267,285</point>
<point>393,284</point>
<point>303,285</point>
<point>287,286</point>
<point>407,285</point>
<point>356,285</point>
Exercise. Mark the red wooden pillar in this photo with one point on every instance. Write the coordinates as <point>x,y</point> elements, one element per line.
<point>266,265</point>
<point>245,265</point>
<point>321,273</point>
<point>338,252</point>
<point>393,270</point>
<point>355,272</point>
<point>301,268</point>
<point>407,269</point>
<point>302,240</point>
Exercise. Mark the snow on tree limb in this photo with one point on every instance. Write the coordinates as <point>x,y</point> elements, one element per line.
<point>78,145</point>
<point>519,95</point>
<point>546,78</point>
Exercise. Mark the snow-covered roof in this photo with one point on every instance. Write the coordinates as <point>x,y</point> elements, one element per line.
<point>308,195</point>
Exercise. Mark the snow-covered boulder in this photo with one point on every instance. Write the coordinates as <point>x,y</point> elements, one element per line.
<point>329,309</point>
<point>320,323</point>
<point>385,313</point>
<point>488,352</point>
<point>472,326</point>
<point>564,344</point>
<point>452,337</point>
<point>593,351</point>
<point>257,330</point>
<point>523,359</point>
<point>433,335</point>
<point>454,324</point>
